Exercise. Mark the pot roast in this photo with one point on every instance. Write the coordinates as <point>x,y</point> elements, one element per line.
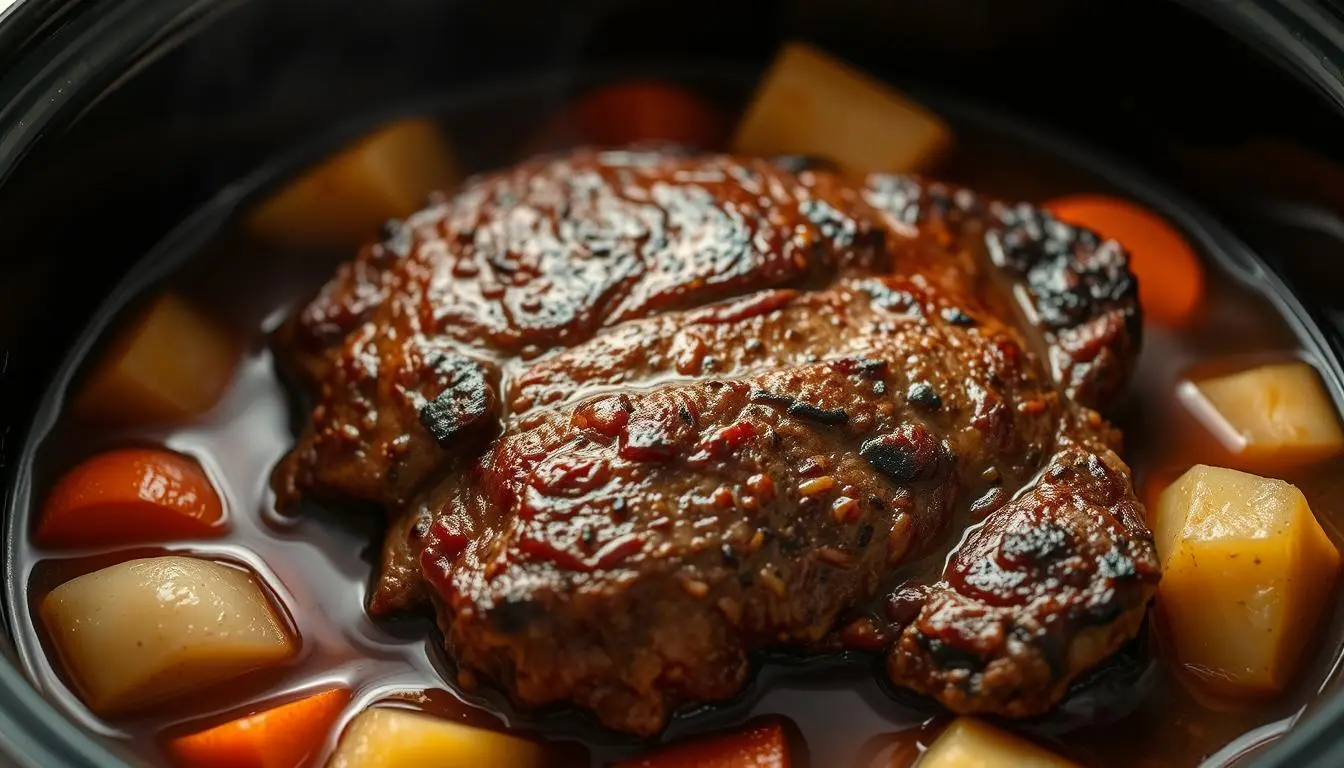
<point>635,415</point>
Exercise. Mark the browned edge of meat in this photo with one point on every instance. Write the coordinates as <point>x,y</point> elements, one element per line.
<point>1046,588</point>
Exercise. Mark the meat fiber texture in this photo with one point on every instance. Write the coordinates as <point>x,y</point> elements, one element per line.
<point>635,415</point>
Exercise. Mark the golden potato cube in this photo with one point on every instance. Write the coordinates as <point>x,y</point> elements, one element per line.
<point>396,738</point>
<point>148,630</point>
<point>1271,415</point>
<point>171,364</point>
<point>342,202</point>
<point>812,104</point>
<point>971,743</point>
<point>1246,570</point>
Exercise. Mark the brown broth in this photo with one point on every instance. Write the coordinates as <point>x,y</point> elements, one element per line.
<point>1138,712</point>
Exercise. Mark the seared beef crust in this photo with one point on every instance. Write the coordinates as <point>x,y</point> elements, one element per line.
<point>637,414</point>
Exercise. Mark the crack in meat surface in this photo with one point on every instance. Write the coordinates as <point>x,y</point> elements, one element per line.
<point>635,415</point>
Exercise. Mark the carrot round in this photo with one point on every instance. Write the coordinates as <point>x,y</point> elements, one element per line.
<point>279,737</point>
<point>130,495</point>
<point>1171,281</point>
<point>646,110</point>
<point>759,746</point>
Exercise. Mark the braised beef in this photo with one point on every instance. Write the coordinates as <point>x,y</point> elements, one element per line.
<point>635,414</point>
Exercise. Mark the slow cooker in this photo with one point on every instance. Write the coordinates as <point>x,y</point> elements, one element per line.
<point>132,132</point>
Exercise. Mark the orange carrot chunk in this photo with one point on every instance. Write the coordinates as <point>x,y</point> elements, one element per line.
<point>646,110</point>
<point>1171,281</point>
<point>131,495</point>
<point>759,746</point>
<point>281,737</point>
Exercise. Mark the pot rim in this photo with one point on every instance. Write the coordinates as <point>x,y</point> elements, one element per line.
<point>1306,37</point>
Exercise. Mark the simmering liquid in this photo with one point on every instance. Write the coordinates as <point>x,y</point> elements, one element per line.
<point>1136,711</point>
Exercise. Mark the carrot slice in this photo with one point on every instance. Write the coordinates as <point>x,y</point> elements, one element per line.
<point>759,746</point>
<point>279,737</point>
<point>646,110</point>
<point>1171,281</point>
<point>131,495</point>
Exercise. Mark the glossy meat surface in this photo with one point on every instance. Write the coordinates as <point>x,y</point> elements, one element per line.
<point>635,415</point>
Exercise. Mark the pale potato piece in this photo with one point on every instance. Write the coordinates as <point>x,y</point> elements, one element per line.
<point>397,738</point>
<point>971,743</point>
<point>144,631</point>
<point>1272,415</point>
<point>812,104</point>
<point>170,364</point>
<point>1246,569</point>
<point>342,202</point>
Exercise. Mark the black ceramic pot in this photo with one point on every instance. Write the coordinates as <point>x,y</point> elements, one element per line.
<point>120,118</point>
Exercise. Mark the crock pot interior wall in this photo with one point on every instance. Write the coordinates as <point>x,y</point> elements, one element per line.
<point>109,178</point>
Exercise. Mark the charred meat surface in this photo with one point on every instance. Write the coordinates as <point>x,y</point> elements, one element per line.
<point>1045,589</point>
<point>634,415</point>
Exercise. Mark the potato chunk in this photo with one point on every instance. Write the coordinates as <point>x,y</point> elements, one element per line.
<point>144,631</point>
<point>1246,569</point>
<point>811,104</point>
<point>395,738</point>
<point>1273,415</point>
<point>342,202</point>
<point>171,364</point>
<point>970,743</point>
